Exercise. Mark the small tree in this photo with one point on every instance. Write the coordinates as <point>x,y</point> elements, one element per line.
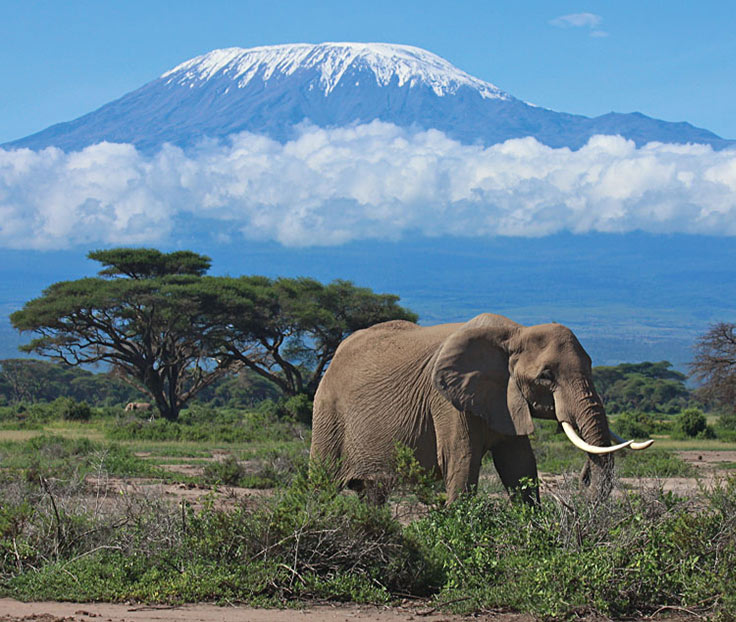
<point>145,317</point>
<point>715,365</point>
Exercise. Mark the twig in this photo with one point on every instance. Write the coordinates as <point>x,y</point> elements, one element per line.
<point>45,485</point>
<point>94,550</point>
<point>674,608</point>
<point>440,605</point>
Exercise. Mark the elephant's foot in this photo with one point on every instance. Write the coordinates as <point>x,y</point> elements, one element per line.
<point>375,492</point>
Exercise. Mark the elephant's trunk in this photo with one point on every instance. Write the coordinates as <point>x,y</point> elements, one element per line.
<point>581,406</point>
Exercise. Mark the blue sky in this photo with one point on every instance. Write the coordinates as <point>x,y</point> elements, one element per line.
<point>671,60</point>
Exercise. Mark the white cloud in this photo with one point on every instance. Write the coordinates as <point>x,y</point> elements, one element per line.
<point>577,20</point>
<point>581,20</point>
<point>329,186</point>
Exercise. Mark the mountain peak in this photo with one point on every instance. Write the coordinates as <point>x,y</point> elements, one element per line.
<point>332,62</point>
<point>272,90</point>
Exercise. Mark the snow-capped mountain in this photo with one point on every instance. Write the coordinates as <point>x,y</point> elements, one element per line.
<point>270,89</point>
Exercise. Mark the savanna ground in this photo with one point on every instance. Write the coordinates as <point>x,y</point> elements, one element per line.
<point>213,516</point>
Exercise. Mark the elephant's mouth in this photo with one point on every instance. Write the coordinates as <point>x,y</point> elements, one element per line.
<point>542,406</point>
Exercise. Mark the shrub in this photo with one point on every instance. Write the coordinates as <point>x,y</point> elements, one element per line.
<point>634,424</point>
<point>727,421</point>
<point>567,557</point>
<point>70,410</point>
<point>228,471</point>
<point>691,423</point>
<point>299,408</point>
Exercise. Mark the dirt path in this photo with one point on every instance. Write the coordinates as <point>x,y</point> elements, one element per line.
<point>15,611</point>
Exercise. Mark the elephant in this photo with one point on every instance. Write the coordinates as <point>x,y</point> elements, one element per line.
<point>130,406</point>
<point>453,392</point>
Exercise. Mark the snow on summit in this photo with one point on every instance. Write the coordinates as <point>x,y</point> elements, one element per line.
<point>407,64</point>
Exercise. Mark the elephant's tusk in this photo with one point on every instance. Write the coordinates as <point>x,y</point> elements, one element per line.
<point>591,449</point>
<point>642,445</point>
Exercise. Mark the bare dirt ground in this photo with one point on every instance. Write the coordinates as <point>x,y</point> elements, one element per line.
<point>15,611</point>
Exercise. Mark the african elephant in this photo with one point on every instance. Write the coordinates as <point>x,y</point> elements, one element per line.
<point>451,393</point>
<point>145,406</point>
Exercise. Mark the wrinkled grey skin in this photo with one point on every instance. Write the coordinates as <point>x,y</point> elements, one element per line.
<point>453,392</point>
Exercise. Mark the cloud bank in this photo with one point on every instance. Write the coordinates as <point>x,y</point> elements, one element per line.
<point>330,186</point>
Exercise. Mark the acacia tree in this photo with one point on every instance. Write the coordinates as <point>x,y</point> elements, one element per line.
<point>287,330</point>
<point>144,316</point>
<point>715,365</point>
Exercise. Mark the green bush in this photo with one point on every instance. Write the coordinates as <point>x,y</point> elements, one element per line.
<point>619,558</point>
<point>691,423</point>
<point>69,409</point>
<point>634,424</point>
<point>299,408</point>
<point>727,421</point>
<point>227,471</point>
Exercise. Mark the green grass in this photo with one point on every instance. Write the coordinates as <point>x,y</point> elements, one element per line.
<point>60,457</point>
<point>694,444</point>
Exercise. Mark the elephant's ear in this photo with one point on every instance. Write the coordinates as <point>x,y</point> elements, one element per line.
<point>472,372</point>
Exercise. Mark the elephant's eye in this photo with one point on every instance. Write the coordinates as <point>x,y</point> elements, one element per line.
<point>546,376</point>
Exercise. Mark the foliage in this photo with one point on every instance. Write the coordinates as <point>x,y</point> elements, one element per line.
<point>71,410</point>
<point>59,458</point>
<point>287,330</point>
<point>623,557</point>
<point>635,424</point>
<point>249,428</point>
<point>173,332</point>
<point>726,427</point>
<point>146,318</point>
<point>648,387</point>
<point>243,388</point>
<point>691,423</point>
<point>412,477</point>
<point>309,542</point>
<point>631,555</point>
<point>654,462</point>
<point>30,380</point>
<point>715,365</point>
<point>299,408</point>
<point>227,471</point>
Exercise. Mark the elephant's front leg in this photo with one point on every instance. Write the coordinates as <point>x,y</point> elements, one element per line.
<point>514,460</point>
<point>460,447</point>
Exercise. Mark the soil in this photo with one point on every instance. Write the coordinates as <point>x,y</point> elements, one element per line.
<point>15,611</point>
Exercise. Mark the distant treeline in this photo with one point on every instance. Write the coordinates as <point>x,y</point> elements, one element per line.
<point>647,387</point>
<point>644,387</point>
<point>31,380</point>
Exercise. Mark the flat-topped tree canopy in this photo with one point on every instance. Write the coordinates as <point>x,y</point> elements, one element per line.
<point>144,263</point>
<point>171,330</point>
<point>145,315</point>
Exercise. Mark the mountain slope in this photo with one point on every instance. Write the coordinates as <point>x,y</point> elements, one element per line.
<point>268,90</point>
